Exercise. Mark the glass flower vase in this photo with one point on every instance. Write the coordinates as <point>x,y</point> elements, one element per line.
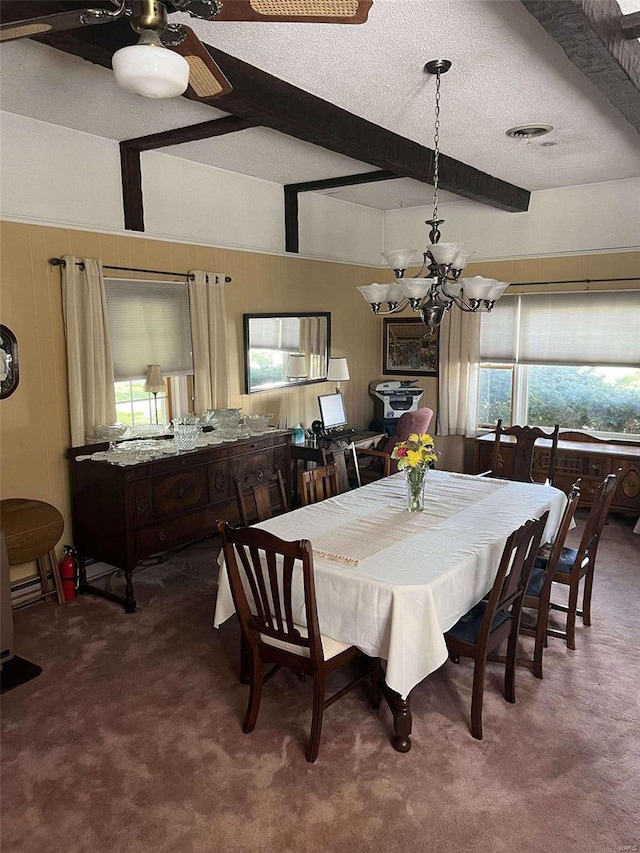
<point>415,488</point>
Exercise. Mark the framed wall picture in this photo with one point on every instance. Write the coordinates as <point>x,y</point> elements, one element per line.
<point>9,375</point>
<point>409,348</point>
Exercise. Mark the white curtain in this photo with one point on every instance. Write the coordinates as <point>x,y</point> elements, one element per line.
<point>209,340</point>
<point>313,343</point>
<point>458,373</point>
<point>89,358</point>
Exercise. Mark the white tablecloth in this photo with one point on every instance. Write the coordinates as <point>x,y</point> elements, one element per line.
<point>393,596</point>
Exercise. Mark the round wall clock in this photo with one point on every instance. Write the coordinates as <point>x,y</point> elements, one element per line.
<point>9,375</point>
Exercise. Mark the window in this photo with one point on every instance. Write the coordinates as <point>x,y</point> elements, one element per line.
<point>135,406</point>
<point>149,324</point>
<point>570,358</point>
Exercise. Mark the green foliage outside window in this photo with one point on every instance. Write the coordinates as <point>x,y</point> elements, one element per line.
<point>582,398</point>
<point>267,367</point>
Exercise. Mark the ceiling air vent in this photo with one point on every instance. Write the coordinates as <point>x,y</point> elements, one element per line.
<point>529,131</point>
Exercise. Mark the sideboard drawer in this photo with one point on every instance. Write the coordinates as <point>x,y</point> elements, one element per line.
<point>166,534</point>
<point>179,492</point>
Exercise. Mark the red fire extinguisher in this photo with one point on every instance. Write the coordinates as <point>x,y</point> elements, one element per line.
<point>68,573</point>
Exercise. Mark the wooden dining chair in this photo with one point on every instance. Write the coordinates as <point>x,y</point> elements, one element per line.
<point>347,470</point>
<point>317,484</point>
<point>265,566</point>
<point>574,564</point>
<point>538,594</point>
<point>260,495</point>
<point>522,463</point>
<point>490,622</point>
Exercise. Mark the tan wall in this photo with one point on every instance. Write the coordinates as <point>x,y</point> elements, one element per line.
<point>34,431</point>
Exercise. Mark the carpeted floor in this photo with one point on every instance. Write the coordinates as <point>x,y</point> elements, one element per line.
<point>130,740</point>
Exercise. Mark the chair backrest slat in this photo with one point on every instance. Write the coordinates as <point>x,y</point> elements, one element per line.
<point>260,495</point>
<point>526,438</point>
<point>338,457</point>
<point>563,529</point>
<point>596,520</point>
<point>317,484</point>
<point>264,572</point>
<point>513,572</point>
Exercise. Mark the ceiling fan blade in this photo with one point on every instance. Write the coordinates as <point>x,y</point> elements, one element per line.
<point>61,21</point>
<point>294,11</point>
<point>206,79</point>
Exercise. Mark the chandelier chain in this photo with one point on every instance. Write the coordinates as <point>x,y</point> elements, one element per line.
<point>436,150</point>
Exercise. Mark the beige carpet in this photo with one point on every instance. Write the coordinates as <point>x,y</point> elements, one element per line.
<point>130,740</point>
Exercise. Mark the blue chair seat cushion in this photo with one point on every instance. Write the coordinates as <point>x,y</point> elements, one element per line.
<point>536,581</point>
<point>565,563</point>
<point>468,627</point>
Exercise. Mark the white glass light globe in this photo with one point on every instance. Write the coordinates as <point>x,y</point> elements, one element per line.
<point>151,70</point>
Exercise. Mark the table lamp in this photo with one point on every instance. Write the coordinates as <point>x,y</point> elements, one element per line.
<point>338,371</point>
<point>297,366</point>
<point>154,383</point>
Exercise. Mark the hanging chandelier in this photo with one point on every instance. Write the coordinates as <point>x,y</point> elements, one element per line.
<point>437,285</point>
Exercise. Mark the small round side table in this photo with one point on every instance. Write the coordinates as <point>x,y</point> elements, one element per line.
<point>32,529</point>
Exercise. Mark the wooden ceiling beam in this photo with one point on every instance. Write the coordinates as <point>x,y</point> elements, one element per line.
<point>590,33</point>
<point>264,100</point>
<point>631,26</point>
<point>131,169</point>
<point>291,224</point>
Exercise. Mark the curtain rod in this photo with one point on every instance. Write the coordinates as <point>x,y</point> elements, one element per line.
<point>60,262</point>
<point>573,281</point>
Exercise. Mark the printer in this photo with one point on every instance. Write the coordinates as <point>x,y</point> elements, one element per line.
<point>391,400</point>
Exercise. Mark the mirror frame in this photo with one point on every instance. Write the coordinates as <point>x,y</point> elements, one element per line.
<point>246,318</point>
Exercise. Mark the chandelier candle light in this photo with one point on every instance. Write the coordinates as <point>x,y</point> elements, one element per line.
<point>437,285</point>
<point>414,456</point>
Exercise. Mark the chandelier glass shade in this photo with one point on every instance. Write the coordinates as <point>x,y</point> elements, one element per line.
<point>437,285</point>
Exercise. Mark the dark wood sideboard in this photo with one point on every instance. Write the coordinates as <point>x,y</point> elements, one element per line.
<point>122,515</point>
<point>580,455</point>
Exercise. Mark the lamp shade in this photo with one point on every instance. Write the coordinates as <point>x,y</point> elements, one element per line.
<point>154,383</point>
<point>338,369</point>
<point>297,366</point>
<point>150,69</point>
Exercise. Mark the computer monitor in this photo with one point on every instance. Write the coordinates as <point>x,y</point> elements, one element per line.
<point>332,411</point>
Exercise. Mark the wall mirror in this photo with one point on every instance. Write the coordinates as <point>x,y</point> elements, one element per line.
<point>281,350</point>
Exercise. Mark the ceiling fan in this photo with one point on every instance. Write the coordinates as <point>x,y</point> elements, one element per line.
<point>170,59</point>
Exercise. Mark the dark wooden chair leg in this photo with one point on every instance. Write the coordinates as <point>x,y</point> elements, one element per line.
<point>571,617</point>
<point>255,694</point>
<point>541,635</point>
<point>586,597</point>
<point>477,695</point>
<point>317,714</point>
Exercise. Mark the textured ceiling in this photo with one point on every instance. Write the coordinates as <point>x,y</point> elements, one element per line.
<point>506,71</point>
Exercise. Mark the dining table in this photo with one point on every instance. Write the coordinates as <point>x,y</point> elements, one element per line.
<point>392,582</point>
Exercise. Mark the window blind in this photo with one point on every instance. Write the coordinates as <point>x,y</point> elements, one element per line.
<point>149,324</point>
<point>587,328</point>
<point>275,333</point>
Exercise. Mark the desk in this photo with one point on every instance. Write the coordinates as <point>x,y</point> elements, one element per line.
<point>392,582</point>
<point>311,451</point>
